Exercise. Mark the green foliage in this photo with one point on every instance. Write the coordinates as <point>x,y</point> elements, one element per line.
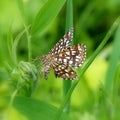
<point>69,24</point>
<point>31,31</point>
<point>46,15</point>
<point>35,109</point>
<point>114,63</point>
<point>25,75</point>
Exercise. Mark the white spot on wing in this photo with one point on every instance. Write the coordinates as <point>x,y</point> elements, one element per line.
<point>56,48</point>
<point>79,48</point>
<point>76,60</point>
<point>55,59</point>
<point>65,39</point>
<point>80,64</point>
<point>69,33</point>
<point>60,55</point>
<point>68,53</point>
<point>66,70</point>
<point>56,69</point>
<point>72,72</point>
<point>73,52</point>
<point>70,62</point>
<point>61,43</point>
<point>60,59</point>
<point>67,74</point>
<point>67,42</point>
<point>78,57</point>
<point>64,60</point>
<point>68,57</point>
<point>62,67</point>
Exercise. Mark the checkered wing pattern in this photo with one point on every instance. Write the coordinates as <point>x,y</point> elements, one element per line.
<point>73,56</point>
<point>63,43</point>
<point>63,71</point>
<point>62,57</point>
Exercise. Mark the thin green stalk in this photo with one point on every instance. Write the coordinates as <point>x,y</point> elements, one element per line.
<point>22,11</point>
<point>114,60</point>
<point>14,46</point>
<point>29,43</point>
<point>29,47</point>
<point>10,103</point>
<point>116,83</point>
<point>69,15</point>
<point>97,51</point>
<point>69,24</point>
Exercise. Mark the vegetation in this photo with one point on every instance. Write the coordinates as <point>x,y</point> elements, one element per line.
<point>29,29</point>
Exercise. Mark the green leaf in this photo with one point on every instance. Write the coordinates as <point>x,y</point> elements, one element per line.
<point>15,44</point>
<point>35,109</point>
<point>46,15</point>
<point>114,61</point>
<point>97,51</point>
<point>21,7</point>
<point>116,83</point>
<point>69,24</point>
<point>10,42</point>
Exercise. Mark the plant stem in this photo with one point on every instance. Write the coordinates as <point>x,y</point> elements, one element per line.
<point>29,48</point>
<point>10,103</point>
<point>110,85</point>
<point>69,24</point>
<point>97,51</point>
<point>69,15</point>
<point>29,44</point>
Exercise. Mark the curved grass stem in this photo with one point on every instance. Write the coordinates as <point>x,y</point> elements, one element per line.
<point>97,51</point>
<point>69,24</point>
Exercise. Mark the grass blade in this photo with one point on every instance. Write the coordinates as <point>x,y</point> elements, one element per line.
<point>69,24</point>
<point>10,42</point>
<point>114,60</point>
<point>34,109</point>
<point>46,15</point>
<point>100,47</point>
<point>15,44</point>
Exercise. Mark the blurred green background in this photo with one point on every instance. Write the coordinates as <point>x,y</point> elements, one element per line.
<point>97,95</point>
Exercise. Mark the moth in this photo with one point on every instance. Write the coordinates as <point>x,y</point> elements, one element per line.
<point>62,57</point>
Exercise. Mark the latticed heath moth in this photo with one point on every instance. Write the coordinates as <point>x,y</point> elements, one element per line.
<point>63,57</point>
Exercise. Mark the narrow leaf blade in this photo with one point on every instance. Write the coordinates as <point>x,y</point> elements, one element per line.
<point>46,15</point>
<point>35,109</point>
